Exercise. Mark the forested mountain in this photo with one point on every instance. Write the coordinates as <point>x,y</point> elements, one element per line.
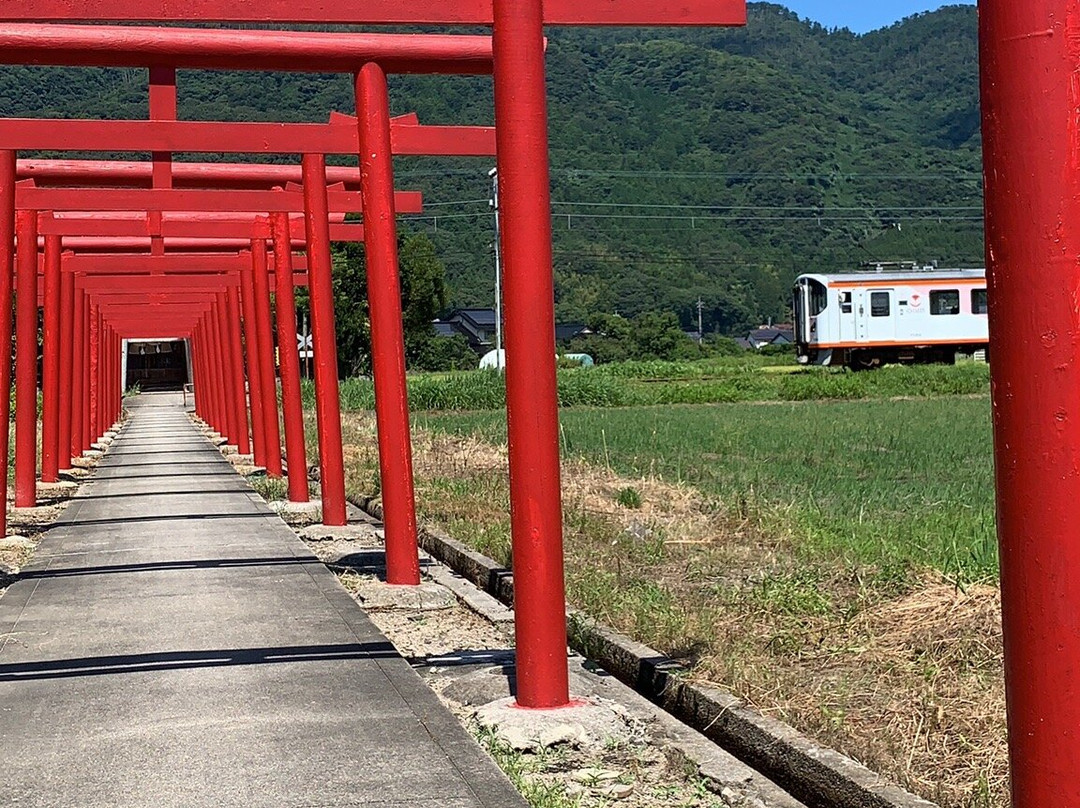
<point>695,163</point>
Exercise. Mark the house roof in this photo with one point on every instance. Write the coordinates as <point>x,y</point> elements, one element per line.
<point>480,317</point>
<point>761,335</point>
<point>570,330</point>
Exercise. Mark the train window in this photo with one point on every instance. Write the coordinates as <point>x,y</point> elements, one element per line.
<point>978,301</point>
<point>845,302</point>
<point>945,301</point>
<point>819,297</point>
<point>879,304</point>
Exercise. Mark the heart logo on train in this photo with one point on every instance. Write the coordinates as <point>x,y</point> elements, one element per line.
<point>915,300</point>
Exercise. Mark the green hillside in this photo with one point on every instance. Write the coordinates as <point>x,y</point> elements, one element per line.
<point>685,163</point>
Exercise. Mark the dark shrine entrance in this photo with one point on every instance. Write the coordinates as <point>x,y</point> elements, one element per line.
<point>156,364</point>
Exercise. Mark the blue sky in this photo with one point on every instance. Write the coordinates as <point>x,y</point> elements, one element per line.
<point>863,15</point>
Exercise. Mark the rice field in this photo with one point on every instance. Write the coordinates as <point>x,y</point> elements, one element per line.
<point>631,384</point>
<point>906,482</point>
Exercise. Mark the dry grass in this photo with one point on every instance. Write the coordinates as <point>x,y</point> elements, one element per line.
<point>899,670</point>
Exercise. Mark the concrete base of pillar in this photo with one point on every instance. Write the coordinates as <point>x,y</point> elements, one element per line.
<point>423,597</point>
<point>587,724</point>
<point>56,490</point>
<point>297,513</point>
<point>364,533</point>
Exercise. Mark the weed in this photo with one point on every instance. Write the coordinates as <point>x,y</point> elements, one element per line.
<point>523,771</point>
<point>629,498</point>
<point>269,488</point>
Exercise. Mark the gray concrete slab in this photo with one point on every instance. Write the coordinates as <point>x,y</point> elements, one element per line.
<point>174,644</point>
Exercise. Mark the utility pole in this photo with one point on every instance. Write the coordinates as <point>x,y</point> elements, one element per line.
<point>494,202</point>
<point>700,335</point>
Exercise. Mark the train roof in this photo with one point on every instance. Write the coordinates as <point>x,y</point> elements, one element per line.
<point>901,276</point>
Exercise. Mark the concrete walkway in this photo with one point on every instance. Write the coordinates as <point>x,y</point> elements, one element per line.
<point>174,644</point>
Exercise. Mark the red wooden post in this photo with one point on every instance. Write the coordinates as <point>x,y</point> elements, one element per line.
<point>7,274</point>
<point>67,356</point>
<point>93,374</point>
<point>50,363</point>
<point>324,341</point>
<point>197,365</point>
<point>265,356</point>
<point>106,377</point>
<point>118,383</point>
<point>229,423</point>
<point>531,397</point>
<point>387,338</point>
<point>26,333</point>
<point>289,359</point>
<point>103,375</point>
<point>212,419</point>
<point>1030,59</point>
<point>236,369</point>
<point>221,423</point>
<point>88,375</point>
<point>113,380</point>
<point>251,352</point>
<point>78,375</point>
<point>102,390</point>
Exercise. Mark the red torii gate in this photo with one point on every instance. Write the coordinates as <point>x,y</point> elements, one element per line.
<point>521,121</point>
<point>402,563</point>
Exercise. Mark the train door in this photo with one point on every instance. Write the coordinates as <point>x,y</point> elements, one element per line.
<point>875,310</point>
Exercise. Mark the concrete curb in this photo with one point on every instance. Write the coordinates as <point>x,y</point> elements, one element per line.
<point>813,774</point>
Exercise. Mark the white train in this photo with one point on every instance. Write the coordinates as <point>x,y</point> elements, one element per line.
<point>890,313</point>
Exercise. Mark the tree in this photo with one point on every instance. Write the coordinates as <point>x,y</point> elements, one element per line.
<point>423,296</point>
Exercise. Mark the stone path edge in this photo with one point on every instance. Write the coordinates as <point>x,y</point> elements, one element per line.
<point>17,597</point>
<point>816,775</point>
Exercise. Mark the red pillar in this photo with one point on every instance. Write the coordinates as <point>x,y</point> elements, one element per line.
<point>251,352</point>
<point>118,378</point>
<point>196,367</point>
<point>387,337</point>
<point>531,400</point>
<point>324,340</point>
<point>26,332</point>
<point>105,411</point>
<point>218,384</point>
<point>230,423</point>
<point>208,371</point>
<point>78,375</point>
<point>94,374</point>
<point>50,375</point>
<point>112,380</point>
<point>7,274</point>
<point>265,356</point>
<point>1030,59</point>
<point>236,368</point>
<point>292,409</point>
<point>87,424</point>
<point>67,356</point>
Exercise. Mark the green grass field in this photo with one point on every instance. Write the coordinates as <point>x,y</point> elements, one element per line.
<point>726,379</point>
<point>899,482</point>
